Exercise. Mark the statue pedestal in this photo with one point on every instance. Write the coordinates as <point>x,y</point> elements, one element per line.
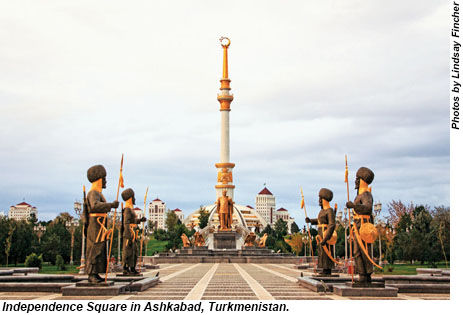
<point>225,240</point>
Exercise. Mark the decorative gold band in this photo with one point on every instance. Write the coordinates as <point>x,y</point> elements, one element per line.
<point>224,165</point>
<point>224,186</point>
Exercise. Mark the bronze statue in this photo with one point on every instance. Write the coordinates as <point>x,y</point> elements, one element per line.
<point>225,211</point>
<point>97,231</point>
<point>185,240</point>
<point>249,240</point>
<point>129,235</point>
<point>199,240</point>
<point>326,232</point>
<point>364,234</point>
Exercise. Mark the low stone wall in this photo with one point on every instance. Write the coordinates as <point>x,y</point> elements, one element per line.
<point>225,259</point>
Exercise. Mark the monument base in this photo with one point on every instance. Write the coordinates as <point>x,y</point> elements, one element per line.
<point>225,240</point>
<point>346,290</point>
<point>86,283</point>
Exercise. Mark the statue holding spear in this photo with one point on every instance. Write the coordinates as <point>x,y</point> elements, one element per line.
<point>97,232</point>
<point>363,231</point>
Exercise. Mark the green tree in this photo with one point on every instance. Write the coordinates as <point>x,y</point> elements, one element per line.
<point>440,226</point>
<point>8,242</point>
<point>294,228</point>
<point>23,242</point>
<point>56,240</point>
<point>340,244</point>
<point>423,241</point>
<point>203,217</point>
<point>268,229</point>
<point>171,220</point>
<point>281,229</point>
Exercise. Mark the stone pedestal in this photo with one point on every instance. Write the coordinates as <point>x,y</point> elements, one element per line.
<point>365,291</point>
<point>225,240</point>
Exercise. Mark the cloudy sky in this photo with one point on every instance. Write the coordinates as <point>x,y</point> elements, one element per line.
<point>84,81</point>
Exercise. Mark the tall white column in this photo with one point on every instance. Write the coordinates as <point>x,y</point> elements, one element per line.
<point>225,137</point>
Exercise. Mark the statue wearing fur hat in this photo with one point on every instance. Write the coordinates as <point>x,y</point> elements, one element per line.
<point>364,231</point>
<point>129,233</point>
<point>326,231</point>
<point>97,231</point>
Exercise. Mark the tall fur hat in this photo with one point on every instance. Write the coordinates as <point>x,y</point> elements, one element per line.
<point>127,194</point>
<point>366,174</point>
<point>96,172</point>
<point>326,194</point>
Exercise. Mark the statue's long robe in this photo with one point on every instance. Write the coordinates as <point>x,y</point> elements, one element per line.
<point>96,251</point>
<point>225,212</point>
<point>363,204</point>
<point>129,244</point>
<point>325,216</point>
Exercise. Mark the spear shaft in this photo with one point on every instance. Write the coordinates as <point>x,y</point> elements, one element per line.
<point>348,209</point>
<point>114,219</point>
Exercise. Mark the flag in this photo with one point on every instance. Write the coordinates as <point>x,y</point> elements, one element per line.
<point>302,203</point>
<point>347,172</point>
<point>121,180</point>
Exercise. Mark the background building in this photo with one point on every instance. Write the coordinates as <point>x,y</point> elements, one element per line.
<point>265,206</point>
<point>22,211</point>
<point>179,214</point>
<point>157,213</point>
<point>283,214</point>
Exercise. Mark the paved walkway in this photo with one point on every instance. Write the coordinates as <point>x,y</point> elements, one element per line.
<point>221,282</point>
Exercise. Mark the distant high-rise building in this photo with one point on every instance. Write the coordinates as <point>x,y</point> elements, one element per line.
<point>157,213</point>
<point>265,206</point>
<point>22,211</point>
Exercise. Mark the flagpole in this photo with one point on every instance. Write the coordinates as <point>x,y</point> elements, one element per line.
<point>119,185</point>
<point>306,223</point>
<point>143,230</point>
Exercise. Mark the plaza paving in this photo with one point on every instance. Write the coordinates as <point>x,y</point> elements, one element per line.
<point>221,282</point>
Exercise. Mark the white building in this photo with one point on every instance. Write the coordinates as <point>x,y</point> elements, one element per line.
<point>157,213</point>
<point>283,214</point>
<point>179,214</point>
<point>22,211</point>
<point>265,206</point>
<point>139,215</point>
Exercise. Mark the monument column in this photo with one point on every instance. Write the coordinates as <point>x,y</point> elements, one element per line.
<point>224,168</point>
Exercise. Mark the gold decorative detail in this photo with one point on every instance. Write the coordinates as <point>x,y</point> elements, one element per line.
<point>249,240</point>
<point>224,186</point>
<point>368,232</point>
<point>333,239</point>
<point>225,176</point>
<point>226,165</point>
<point>198,240</point>
<point>263,240</point>
<point>185,240</point>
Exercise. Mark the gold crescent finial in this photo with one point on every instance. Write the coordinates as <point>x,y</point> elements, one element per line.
<point>224,41</point>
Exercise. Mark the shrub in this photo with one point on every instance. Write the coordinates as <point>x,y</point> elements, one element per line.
<point>60,262</point>
<point>34,261</point>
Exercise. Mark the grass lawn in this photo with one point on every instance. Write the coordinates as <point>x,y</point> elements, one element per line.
<point>156,246</point>
<point>405,269</point>
<point>48,268</point>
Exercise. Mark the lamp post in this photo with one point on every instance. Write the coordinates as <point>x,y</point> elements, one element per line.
<point>78,210</point>
<point>39,230</point>
<point>71,225</point>
<point>377,209</point>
